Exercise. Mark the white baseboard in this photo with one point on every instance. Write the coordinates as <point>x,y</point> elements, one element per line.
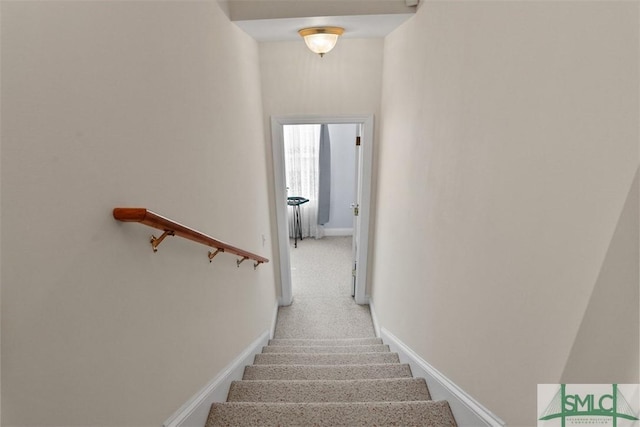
<point>466,410</point>
<point>284,303</point>
<point>374,318</point>
<point>274,320</point>
<point>194,413</point>
<point>333,232</point>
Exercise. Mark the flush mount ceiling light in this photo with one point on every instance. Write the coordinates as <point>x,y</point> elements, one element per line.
<point>321,39</point>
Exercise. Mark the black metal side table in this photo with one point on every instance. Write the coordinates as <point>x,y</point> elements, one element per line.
<point>295,203</point>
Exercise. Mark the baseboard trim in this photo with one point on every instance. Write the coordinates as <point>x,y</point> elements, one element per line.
<point>467,411</point>
<point>195,411</point>
<point>374,317</point>
<point>335,232</point>
<point>274,320</point>
<point>283,303</point>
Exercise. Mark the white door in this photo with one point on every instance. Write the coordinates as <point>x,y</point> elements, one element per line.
<point>355,207</point>
<point>361,224</point>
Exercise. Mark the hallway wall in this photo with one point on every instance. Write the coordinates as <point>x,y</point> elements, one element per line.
<point>508,148</point>
<point>104,104</point>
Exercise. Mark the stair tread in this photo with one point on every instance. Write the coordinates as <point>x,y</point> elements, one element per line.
<point>431,413</point>
<point>326,349</point>
<point>364,390</point>
<point>332,342</point>
<point>325,358</point>
<point>326,372</point>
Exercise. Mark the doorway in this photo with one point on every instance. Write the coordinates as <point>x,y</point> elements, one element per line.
<point>361,203</point>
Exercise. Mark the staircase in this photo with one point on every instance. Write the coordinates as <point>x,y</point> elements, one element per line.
<point>329,382</point>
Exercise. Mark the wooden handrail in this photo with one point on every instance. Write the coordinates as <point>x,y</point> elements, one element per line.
<point>173,228</point>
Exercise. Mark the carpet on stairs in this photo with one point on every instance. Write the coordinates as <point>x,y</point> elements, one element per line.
<point>325,366</point>
<point>329,382</point>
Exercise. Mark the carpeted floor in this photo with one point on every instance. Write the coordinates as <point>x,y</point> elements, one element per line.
<point>321,267</point>
<point>322,303</point>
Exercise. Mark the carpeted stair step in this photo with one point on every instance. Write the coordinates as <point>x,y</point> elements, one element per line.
<point>326,372</point>
<point>425,413</point>
<point>376,348</point>
<point>325,358</point>
<point>335,342</point>
<point>384,390</point>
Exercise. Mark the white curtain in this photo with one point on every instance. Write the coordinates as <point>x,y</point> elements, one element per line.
<point>301,148</point>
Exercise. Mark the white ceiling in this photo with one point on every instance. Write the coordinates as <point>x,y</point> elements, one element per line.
<point>356,26</point>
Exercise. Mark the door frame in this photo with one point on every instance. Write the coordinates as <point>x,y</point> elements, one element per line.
<point>277,147</point>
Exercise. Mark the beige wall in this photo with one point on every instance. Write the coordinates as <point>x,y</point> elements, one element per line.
<point>508,150</point>
<point>296,81</point>
<point>613,303</point>
<point>346,80</point>
<point>105,104</point>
